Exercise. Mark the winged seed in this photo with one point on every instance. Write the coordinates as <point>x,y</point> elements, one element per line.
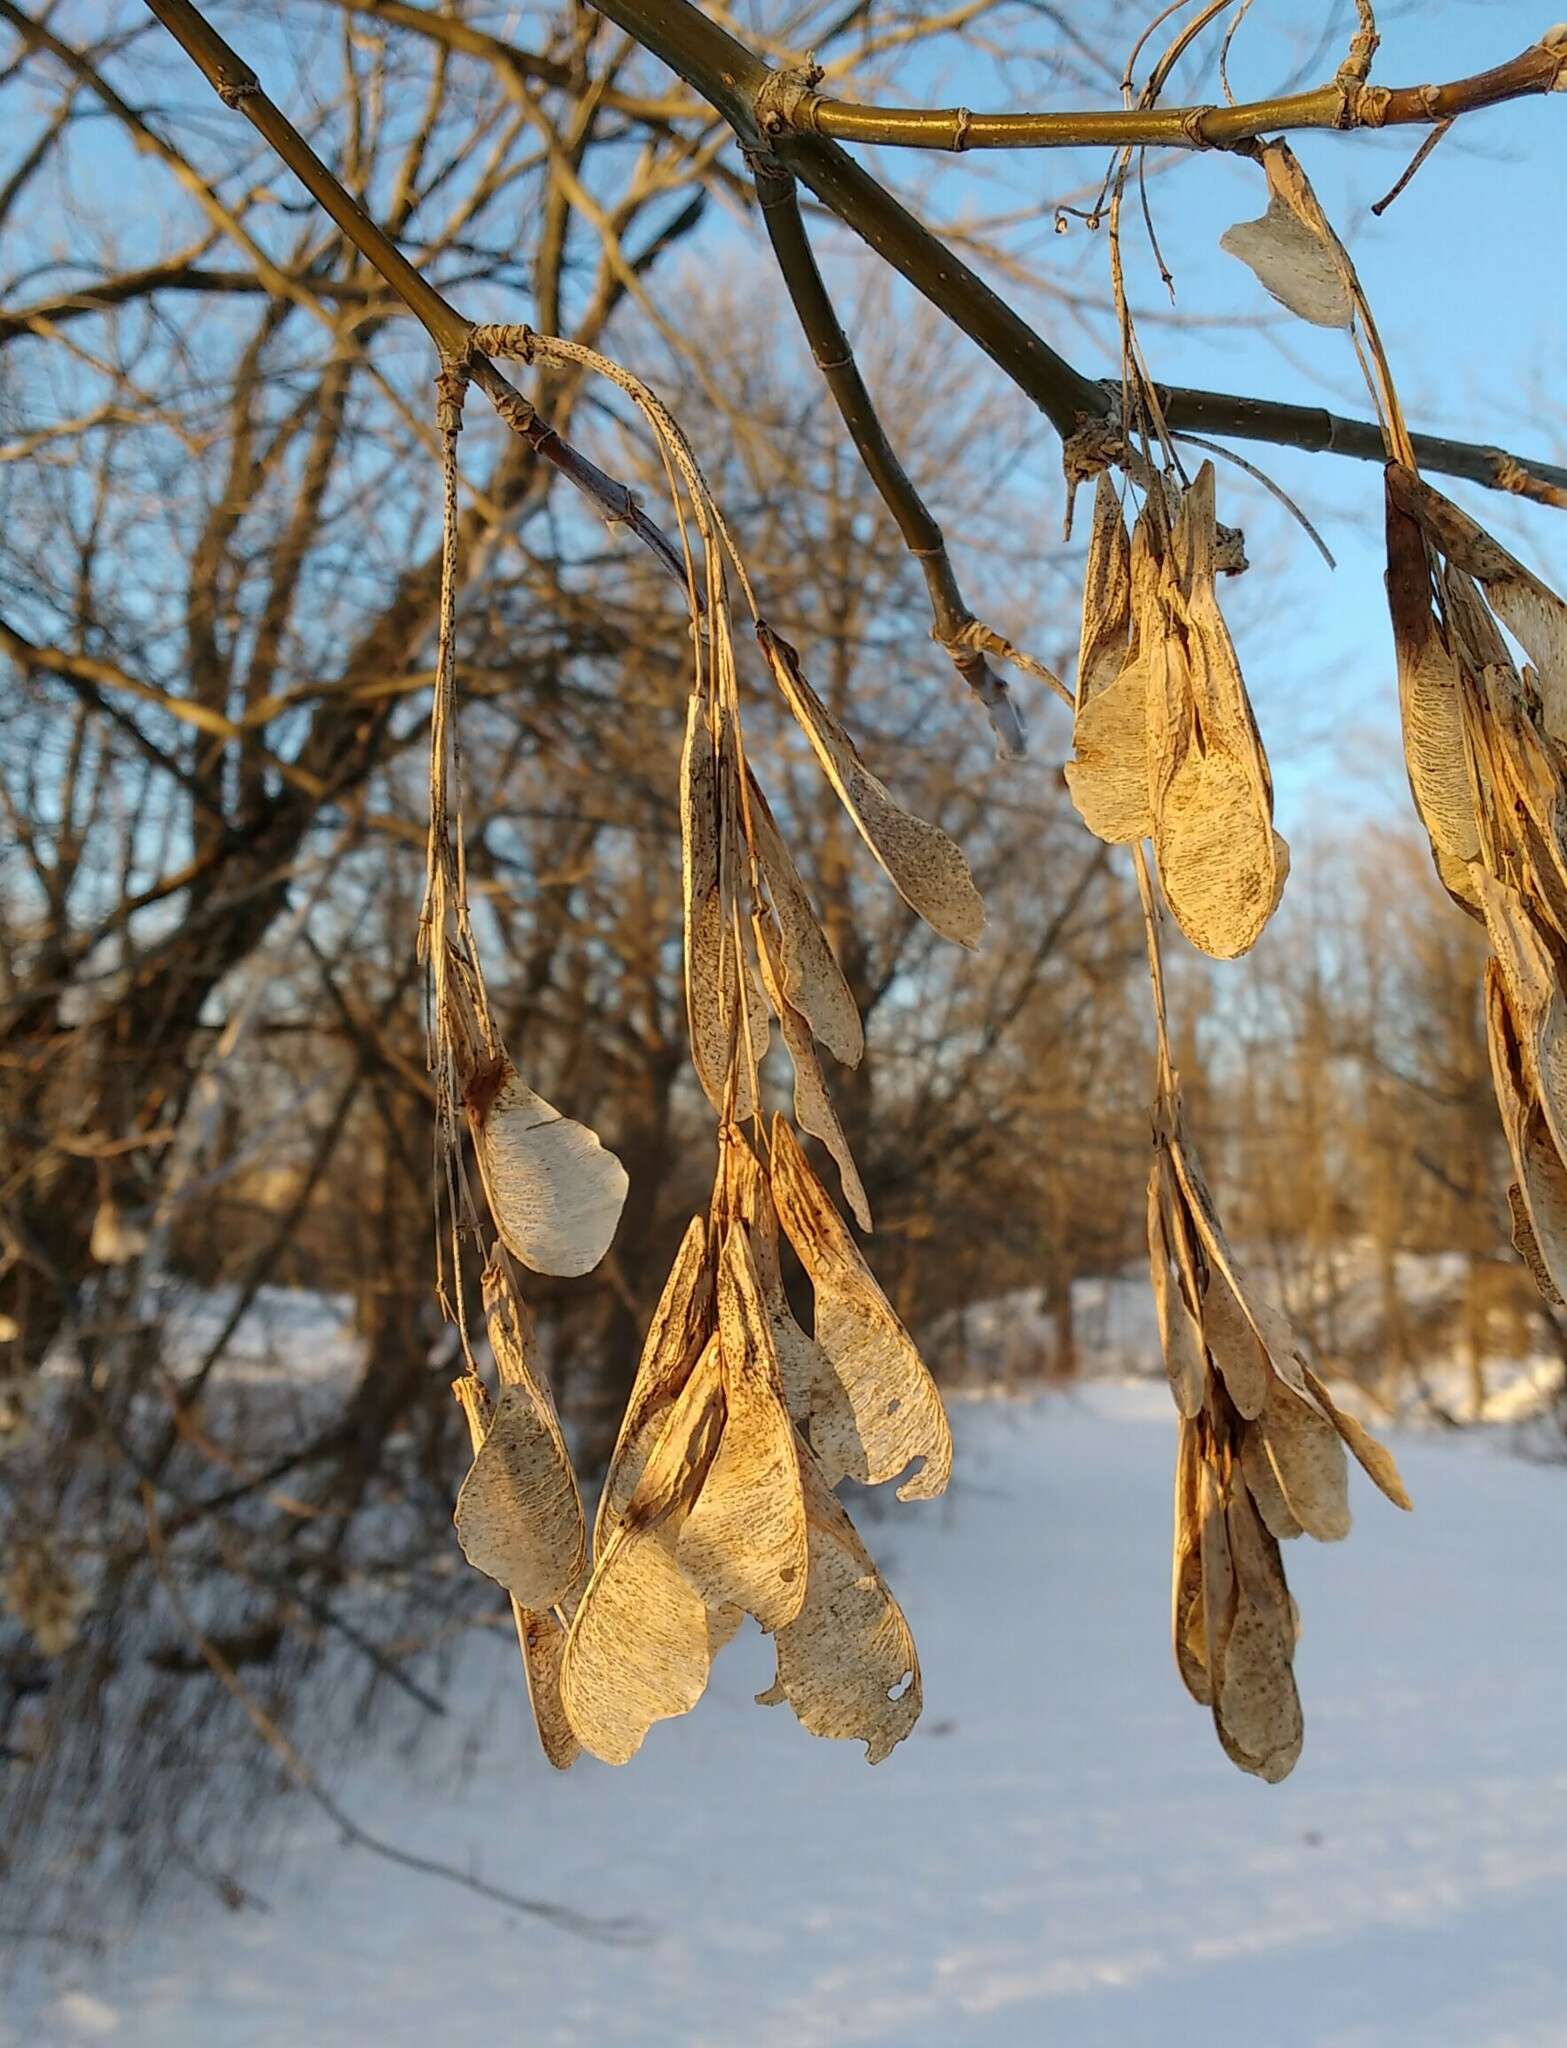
<point>890,1412</point>
<point>743,1544</point>
<point>1292,249</point>
<point>919,859</point>
<point>847,1663</point>
<point>555,1192</point>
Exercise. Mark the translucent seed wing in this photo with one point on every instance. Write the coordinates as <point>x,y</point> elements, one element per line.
<point>555,1192</point>
<point>846,1663</point>
<point>888,1411</point>
<point>1292,250</point>
<point>743,1543</point>
<point>923,864</point>
<point>518,1514</point>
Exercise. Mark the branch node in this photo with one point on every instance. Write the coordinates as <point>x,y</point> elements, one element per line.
<point>451,389</point>
<point>235,82</point>
<point>492,340</point>
<point>786,100</point>
<point>1365,106</point>
<point>1095,442</point>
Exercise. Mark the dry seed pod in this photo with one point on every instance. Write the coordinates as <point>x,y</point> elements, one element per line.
<point>1256,1708</point>
<point>1261,1462</point>
<point>642,1641</point>
<point>813,1106</point>
<point>540,1636</point>
<point>1532,976</point>
<point>724,1003</point>
<point>542,1641</point>
<point>1217,1571</point>
<point>1430,697</point>
<point>1373,1458</point>
<point>553,1189</point>
<point>1221,864</point>
<point>887,1412</point>
<point>1186,1631</point>
<point>1180,1334</point>
<point>812,981</point>
<point>1529,609</point>
<point>703,908</point>
<point>743,1543</point>
<point>1107,594</point>
<point>1108,778</point>
<point>1108,773</point>
<point>1539,1197</point>
<point>809,1383</point>
<point>1526,1244</point>
<point>1270,1326</point>
<point>1307,1457</point>
<point>676,1337</point>
<point>1263,1484</point>
<point>519,1515</point>
<point>1292,249</point>
<point>846,1663</point>
<point>1524,808</point>
<point>1234,1345</point>
<point>922,863</point>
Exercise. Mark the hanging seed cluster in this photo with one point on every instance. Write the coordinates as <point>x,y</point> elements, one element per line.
<point>1485,741</point>
<point>1165,745</point>
<point>1260,1460</point>
<point>718,1501</point>
<point>1167,755</point>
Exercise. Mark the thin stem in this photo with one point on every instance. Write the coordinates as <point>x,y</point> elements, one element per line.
<point>1341,106</point>
<point>779,200</point>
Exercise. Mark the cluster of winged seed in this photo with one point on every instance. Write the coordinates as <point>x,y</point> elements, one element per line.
<point>1260,1459</point>
<point>719,1497</point>
<point>718,1501</point>
<point>1165,743</point>
<point>1486,747</point>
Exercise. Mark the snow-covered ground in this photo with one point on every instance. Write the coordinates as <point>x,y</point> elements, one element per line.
<point>1059,1854</point>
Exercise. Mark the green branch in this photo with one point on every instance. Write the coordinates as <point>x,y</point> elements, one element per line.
<point>1340,106</point>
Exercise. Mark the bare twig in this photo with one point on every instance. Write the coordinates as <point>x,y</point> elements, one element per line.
<point>780,204</point>
<point>762,106</point>
<point>591,1928</point>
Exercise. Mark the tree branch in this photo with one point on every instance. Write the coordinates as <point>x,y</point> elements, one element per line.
<point>1538,69</point>
<point>755,99</point>
<point>779,201</point>
<point>1310,428</point>
<point>744,89</point>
